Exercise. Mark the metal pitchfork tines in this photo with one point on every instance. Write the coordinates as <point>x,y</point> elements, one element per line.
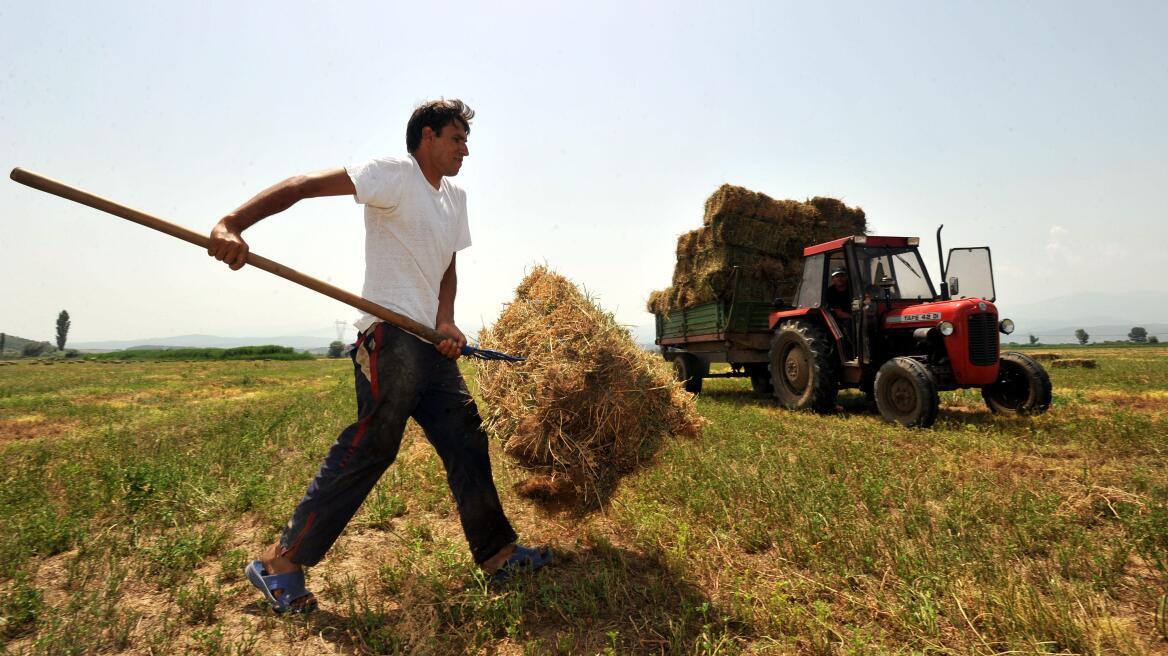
<point>407,324</point>
<point>487,354</point>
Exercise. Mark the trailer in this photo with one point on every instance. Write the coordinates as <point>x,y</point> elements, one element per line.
<point>734,332</point>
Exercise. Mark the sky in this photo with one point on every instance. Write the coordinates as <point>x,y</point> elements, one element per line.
<point>1034,128</point>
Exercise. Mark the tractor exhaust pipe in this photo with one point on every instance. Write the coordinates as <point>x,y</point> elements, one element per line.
<point>941,263</point>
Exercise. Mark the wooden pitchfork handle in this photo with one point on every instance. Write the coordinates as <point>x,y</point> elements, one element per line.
<point>63,190</point>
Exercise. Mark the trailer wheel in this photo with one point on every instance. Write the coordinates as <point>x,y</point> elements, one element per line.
<point>802,368</point>
<point>1022,387</point>
<point>689,370</point>
<point>906,393</point>
<point>760,379</point>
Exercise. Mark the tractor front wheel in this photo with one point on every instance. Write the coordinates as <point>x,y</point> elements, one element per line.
<point>689,371</point>
<point>906,393</point>
<point>803,369</point>
<point>1022,387</point>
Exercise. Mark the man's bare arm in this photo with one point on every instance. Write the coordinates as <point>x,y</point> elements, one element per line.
<point>444,322</point>
<point>226,243</point>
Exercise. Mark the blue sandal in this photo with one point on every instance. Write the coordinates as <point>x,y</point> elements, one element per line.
<point>290,584</point>
<point>523,559</point>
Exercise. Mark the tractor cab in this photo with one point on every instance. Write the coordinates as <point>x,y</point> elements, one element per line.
<point>855,285</point>
<point>866,314</point>
<point>888,268</point>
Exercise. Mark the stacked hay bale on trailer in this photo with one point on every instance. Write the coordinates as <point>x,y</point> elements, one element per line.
<point>729,272</point>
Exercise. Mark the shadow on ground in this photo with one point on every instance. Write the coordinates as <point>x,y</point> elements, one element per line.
<point>853,403</point>
<point>592,598</point>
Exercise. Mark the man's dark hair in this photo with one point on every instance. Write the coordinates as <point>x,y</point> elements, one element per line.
<point>436,115</point>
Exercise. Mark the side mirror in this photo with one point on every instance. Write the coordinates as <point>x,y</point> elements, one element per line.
<point>953,285</point>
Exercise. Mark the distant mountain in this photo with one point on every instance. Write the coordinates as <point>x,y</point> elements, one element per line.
<point>1103,316</point>
<point>302,343</point>
<point>1065,334</point>
<point>13,344</point>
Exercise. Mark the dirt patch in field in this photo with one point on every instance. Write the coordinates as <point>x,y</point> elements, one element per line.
<point>32,426</point>
<point>1152,402</point>
<point>112,399</point>
<point>1141,585</point>
<point>415,446</point>
<point>225,391</point>
<point>202,393</point>
<point>1011,468</point>
<point>52,578</point>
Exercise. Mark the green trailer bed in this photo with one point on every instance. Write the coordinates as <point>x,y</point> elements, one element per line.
<point>713,321</point>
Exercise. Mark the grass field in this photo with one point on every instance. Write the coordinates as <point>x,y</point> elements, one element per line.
<point>133,493</point>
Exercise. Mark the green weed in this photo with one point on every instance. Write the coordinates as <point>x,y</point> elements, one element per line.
<point>21,605</point>
<point>198,602</point>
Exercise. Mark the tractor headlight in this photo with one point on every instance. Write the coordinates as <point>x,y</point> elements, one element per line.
<point>945,328</point>
<point>1006,326</point>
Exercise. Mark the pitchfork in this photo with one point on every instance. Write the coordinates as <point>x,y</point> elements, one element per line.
<point>407,324</point>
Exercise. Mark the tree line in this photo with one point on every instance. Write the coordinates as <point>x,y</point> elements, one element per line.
<point>34,349</point>
<point>31,349</point>
<point>1137,335</point>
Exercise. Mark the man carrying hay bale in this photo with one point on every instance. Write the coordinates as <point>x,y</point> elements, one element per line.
<point>415,222</point>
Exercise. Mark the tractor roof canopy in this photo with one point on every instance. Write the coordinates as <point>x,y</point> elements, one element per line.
<point>867,240</point>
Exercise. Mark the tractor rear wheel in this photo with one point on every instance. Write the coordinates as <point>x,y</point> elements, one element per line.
<point>689,371</point>
<point>1022,387</point>
<point>803,368</point>
<point>906,393</point>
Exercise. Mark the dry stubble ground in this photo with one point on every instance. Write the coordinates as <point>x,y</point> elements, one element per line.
<point>133,494</point>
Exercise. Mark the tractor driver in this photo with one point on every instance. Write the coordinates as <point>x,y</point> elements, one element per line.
<point>839,297</point>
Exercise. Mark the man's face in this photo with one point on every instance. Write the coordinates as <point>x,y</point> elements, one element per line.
<point>447,148</point>
<point>840,282</point>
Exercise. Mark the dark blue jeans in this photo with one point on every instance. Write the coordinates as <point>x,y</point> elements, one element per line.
<point>398,376</point>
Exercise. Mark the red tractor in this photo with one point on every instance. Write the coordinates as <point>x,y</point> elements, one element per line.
<point>894,336</point>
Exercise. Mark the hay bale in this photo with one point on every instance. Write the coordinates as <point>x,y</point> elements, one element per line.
<point>1067,363</point>
<point>1045,357</point>
<point>759,237</point>
<point>588,406</point>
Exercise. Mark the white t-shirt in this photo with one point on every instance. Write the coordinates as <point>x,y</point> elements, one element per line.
<point>412,231</point>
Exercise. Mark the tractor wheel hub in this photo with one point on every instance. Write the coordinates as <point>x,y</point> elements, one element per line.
<point>795,369</point>
<point>902,395</point>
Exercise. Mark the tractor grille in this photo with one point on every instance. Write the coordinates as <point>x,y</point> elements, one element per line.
<point>983,339</point>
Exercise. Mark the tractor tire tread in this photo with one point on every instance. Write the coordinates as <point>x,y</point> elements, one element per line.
<point>823,384</point>
<point>1041,389</point>
<point>924,389</point>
